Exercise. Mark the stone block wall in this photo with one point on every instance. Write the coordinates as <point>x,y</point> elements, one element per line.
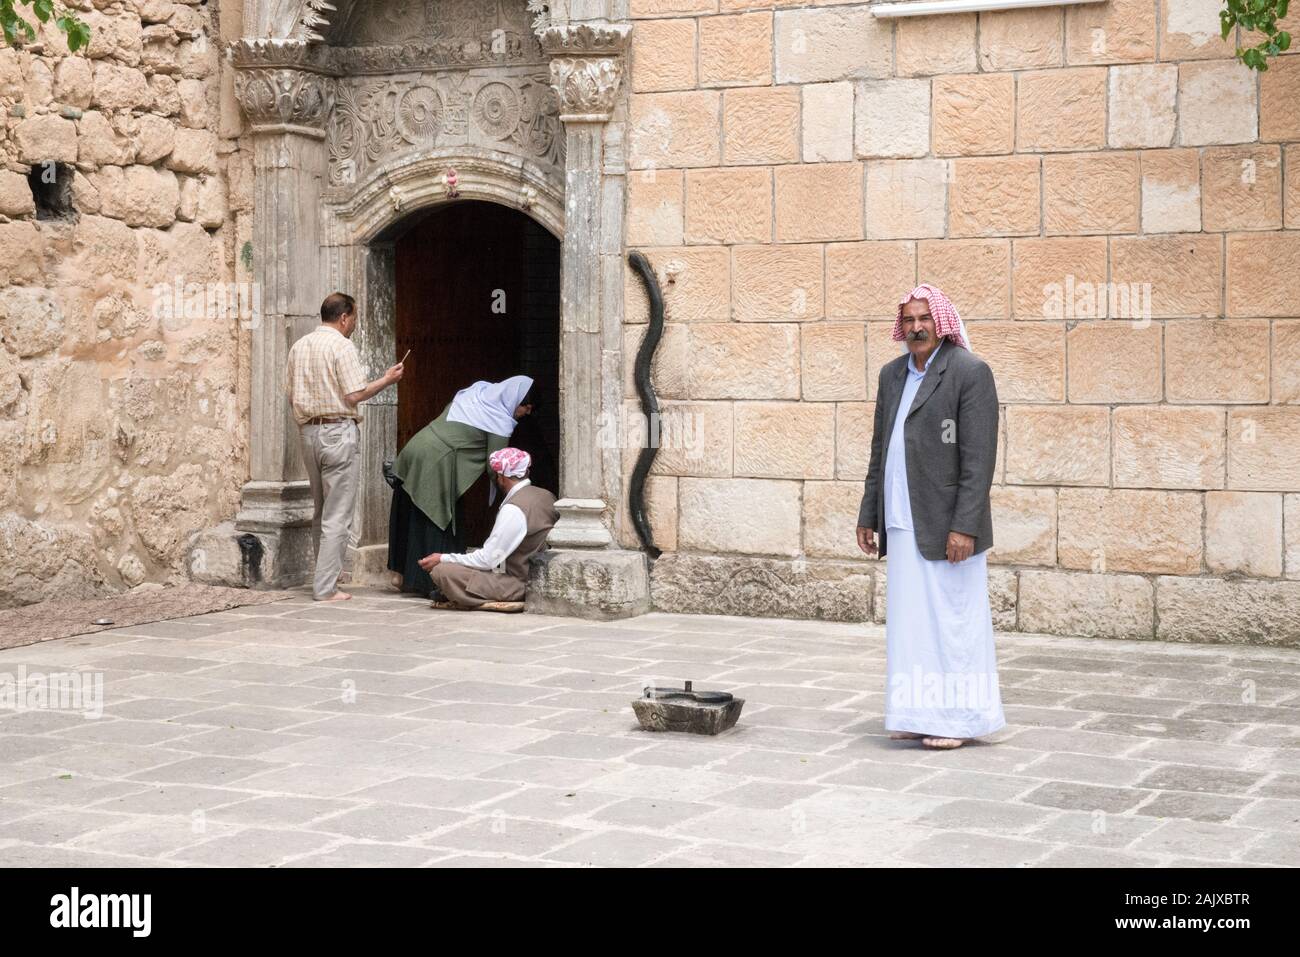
<point>1114,206</point>
<point>123,350</point>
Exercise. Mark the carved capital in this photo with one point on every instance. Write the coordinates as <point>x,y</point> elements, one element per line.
<point>586,67</point>
<point>283,85</point>
<point>586,39</point>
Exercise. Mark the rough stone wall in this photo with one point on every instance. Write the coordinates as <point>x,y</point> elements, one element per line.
<point>793,171</point>
<point>122,411</point>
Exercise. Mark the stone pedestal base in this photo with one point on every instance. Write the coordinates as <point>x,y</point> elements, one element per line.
<point>227,555</point>
<point>601,584</point>
<point>370,566</point>
<point>763,587</point>
<point>581,524</point>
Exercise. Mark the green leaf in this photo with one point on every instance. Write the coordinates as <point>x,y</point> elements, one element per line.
<point>1283,40</point>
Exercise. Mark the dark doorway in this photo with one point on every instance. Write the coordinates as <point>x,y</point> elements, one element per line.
<point>478,297</point>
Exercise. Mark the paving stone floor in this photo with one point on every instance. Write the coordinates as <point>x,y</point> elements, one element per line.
<point>382,733</point>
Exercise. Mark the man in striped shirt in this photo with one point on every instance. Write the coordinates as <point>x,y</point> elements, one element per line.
<point>326,384</point>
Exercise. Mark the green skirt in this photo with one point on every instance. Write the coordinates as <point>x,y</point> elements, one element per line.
<point>439,464</point>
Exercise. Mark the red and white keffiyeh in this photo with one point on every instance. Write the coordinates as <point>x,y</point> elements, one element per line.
<point>947,324</point>
<point>512,463</point>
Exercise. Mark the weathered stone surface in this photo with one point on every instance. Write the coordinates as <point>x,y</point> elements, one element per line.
<point>695,438</point>
<point>1216,103</point>
<point>666,714</point>
<point>139,195</point>
<point>668,367</point>
<point>729,205</point>
<point>853,428</point>
<point>589,583</point>
<point>1059,110</point>
<point>1024,525</point>
<point>663,56</point>
<point>1168,447</point>
<point>119,87</point>
<point>834,361</point>
<point>46,139</point>
<point>1143,105</point>
<point>1181,274</point>
<point>891,118</point>
<point>784,440</point>
<point>974,273</point>
<point>997,196</point>
<point>674,129</point>
<point>827,119</point>
<point>11,384</point>
<point>1254,259</point>
<point>748,516</point>
<point>1292,188</point>
<point>695,282</point>
<point>1242,187</point>
<point>730,361</point>
<point>31,320</point>
<point>194,151</point>
<point>41,561</point>
<point>1279,100</point>
<point>814,45</point>
<point>881,348</point>
<point>1129,530</point>
<point>1286,360</point>
<point>15,195</point>
<point>736,50</point>
<point>973,114</point>
<point>924,46</point>
<point>1090,193</point>
<point>801,213</point>
<point>1018,39</point>
<point>1114,362</point>
<point>1171,191</point>
<point>1091,605</point>
<point>1218,361</point>
<point>1027,359</point>
<point>167,510</point>
<point>1122,31</point>
<point>761,125</point>
<point>779,283</point>
<point>1189,30</point>
<point>1058,445</point>
<point>1291,524</point>
<point>1264,448</point>
<point>695,584</point>
<point>906,199</point>
<point>1058,277</point>
<point>74,82</point>
<point>279,559</point>
<point>830,519</point>
<point>865,279</point>
<point>1243,533</point>
<point>1236,612</point>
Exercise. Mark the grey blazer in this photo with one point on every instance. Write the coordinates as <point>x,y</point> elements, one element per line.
<point>951,437</point>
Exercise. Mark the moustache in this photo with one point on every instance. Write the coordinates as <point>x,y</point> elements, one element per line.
<point>918,335</point>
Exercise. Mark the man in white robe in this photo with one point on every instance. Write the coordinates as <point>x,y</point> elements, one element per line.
<point>933,450</point>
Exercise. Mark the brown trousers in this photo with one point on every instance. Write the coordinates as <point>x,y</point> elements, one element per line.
<point>470,587</point>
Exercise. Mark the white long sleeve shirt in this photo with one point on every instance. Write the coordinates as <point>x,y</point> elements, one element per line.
<point>507,532</point>
<point>898,502</point>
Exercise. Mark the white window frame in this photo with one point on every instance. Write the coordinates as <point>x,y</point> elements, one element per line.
<point>923,8</point>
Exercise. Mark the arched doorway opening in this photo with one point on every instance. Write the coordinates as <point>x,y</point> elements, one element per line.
<point>477,296</point>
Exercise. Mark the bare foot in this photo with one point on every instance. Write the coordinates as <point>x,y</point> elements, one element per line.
<point>395,581</point>
<point>943,744</point>
<point>904,736</point>
<point>338,596</point>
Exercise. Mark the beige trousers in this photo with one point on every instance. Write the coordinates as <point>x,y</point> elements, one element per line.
<point>332,454</point>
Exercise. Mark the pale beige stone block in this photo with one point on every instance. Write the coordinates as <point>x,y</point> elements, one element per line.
<point>694,438</point>
<point>881,349</point>
<point>1210,360</point>
<point>1279,99</point>
<point>740,361</point>
<point>15,196</point>
<point>661,512</point>
<point>736,50</point>
<point>994,196</point>
<point>1020,39</point>
<point>805,211</point>
<point>1243,533</point>
<point>749,516</point>
<point>663,56</point>
<point>973,114</point>
<point>1241,611</point>
<point>1119,31</point>
<point>1216,103</point>
<point>1171,191</point>
<point>925,46</point>
<point>1292,179</point>
<point>762,125</point>
<point>1059,110</point>
<point>98,144</point>
<point>1286,360</point>
<point>669,366</point>
<point>1255,262</point>
<point>827,122</point>
<point>138,195</point>
<point>1058,278</point>
<point>866,279</point>
<point>119,87</point>
<point>784,440</point>
<point>853,428</point>
<point>195,151</point>
<point>730,205</point>
<point>1130,530</point>
<point>658,8</point>
<point>1189,30</point>
<point>74,82</point>
<point>1090,605</point>
<point>832,43</point>
<point>1114,362</point>
<point>830,519</point>
<point>695,281</point>
<point>674,129</point>
<point>1058,445</point>
<point>1091,193</point>
<point>834,360</point>
<point>46,139</point>
<point>1143,105</point>
<point>781,283</point>
<point>655,208</point>
<point>1180,273</point>
<point>1024,525</point>
<point>906,199</point>
<point>1291,521</point>
<point>1264,448</point>
<point>892,118</point>
<point>1242,187</point>
<point>1027,359</point>
<point>974,273</point>
<point>1165,446</point>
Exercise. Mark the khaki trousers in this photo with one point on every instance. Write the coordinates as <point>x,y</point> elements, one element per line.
<point>332,454</point>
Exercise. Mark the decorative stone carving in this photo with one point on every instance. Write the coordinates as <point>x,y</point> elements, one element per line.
<point>586,68</point>
<point>283,83</point>
<point>765,587</point>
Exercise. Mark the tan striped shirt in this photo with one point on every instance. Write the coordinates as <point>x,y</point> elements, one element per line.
<point>324,366</point>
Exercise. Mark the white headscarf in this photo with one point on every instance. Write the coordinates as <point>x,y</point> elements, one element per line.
<point>490,406</point>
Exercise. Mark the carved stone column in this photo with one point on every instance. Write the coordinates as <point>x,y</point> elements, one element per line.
<point>586,71</point>
<point>286,90</point>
